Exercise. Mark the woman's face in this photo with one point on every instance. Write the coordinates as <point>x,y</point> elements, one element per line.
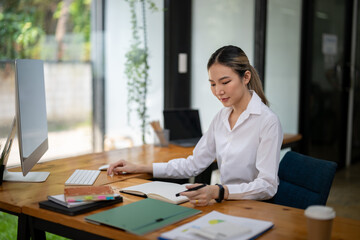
<point>227,86</point>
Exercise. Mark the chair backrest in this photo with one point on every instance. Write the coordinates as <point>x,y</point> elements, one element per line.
<point>304,181</point>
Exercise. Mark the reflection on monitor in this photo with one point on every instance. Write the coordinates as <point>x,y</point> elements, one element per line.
<point>30,122</point>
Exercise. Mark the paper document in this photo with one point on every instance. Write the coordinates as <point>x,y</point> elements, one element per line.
<point>219,226</point>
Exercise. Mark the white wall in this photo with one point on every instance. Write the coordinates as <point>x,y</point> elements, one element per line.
<point>217,23</point>
<point>282,69</point>
<point>117,43</point>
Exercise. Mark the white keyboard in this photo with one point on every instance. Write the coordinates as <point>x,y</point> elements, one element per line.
<point>83,177</point>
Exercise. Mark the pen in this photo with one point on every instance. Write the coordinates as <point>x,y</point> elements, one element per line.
<point>192,189</point>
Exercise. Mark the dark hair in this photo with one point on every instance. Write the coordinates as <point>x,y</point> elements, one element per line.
<point>235,58</point>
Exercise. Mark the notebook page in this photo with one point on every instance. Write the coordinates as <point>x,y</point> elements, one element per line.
<point>163,189</point>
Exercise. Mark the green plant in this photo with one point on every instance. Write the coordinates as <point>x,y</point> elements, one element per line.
<point>25,25</point>
<point>19,33</point>
<point>78,21</point>
<point>8,228</point>
<point>136,65</point>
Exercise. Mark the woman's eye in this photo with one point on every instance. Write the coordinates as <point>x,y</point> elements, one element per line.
<point>213,85</point>
<point>226,82</point>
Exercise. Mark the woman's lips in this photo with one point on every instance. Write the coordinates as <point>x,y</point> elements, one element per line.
<point>224,99</point>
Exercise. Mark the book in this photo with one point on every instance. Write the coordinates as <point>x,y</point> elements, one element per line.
<point>143,216</point>
<point>72,211</point>
<point>164,191</point>
<point>216,225</point>
<point>89,193</point>
<point>60,199</point>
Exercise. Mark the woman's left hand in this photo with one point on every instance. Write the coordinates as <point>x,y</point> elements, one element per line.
<point>203,196</point>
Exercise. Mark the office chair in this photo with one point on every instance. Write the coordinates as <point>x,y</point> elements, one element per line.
<point>304,181</point>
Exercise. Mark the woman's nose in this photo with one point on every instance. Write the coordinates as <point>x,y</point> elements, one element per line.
<point>220,92</point>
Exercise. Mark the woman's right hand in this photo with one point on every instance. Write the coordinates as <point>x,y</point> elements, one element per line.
<point>122,166</point>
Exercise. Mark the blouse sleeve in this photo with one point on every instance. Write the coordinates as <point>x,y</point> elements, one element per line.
<point>267,163</point>
<point>203,155</point>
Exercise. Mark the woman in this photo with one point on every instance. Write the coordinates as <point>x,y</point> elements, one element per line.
<point>244,137</point>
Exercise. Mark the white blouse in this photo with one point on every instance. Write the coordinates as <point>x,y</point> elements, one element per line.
<point>248,155</point>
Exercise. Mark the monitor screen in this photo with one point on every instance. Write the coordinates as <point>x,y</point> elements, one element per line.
<point>30,112</point>
<point>182,123</point>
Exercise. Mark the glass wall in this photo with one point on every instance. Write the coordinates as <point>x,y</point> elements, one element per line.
<point>122,131</point>
<point>355,146</point>
<point>282,63</point>
<point>216,23</point>
<point>57,32</point>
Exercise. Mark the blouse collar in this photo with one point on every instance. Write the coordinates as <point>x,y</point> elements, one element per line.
<point>254,107</point>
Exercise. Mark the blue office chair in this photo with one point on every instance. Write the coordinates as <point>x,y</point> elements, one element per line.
<point>304,181</point>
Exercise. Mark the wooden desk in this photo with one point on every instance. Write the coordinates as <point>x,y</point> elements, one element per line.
<point>290,223</point>
<point>13,196</point>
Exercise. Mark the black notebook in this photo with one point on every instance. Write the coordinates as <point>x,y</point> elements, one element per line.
<point>52,206</point>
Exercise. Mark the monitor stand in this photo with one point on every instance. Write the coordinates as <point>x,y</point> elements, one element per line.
<point>30,177</point>
<point>5,175</point>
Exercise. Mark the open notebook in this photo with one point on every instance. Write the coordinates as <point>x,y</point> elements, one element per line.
<point>163,191</point>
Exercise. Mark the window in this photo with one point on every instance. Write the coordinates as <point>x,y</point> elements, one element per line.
<point>217,23</point>
<point>57,32</point>
<point>119,133</point>
<point>282,65</point>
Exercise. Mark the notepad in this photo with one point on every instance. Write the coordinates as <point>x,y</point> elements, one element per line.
<point>164,191</point>
<point>142,216</point>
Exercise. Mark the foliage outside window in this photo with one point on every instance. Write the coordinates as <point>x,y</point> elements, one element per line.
<point>52,30</point>
<point>25,27</point>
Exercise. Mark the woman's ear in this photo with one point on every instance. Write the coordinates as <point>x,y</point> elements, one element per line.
<point>247,77</point>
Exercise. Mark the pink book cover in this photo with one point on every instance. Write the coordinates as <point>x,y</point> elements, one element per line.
<point>89,193</point>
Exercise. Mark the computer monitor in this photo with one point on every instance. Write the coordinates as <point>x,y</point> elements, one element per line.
<point>30,122</point>
<point>184,126</point>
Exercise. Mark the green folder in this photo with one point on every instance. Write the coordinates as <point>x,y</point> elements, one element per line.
<point>142,216</point>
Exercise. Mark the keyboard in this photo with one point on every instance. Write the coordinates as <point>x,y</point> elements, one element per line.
<point>83,177</point>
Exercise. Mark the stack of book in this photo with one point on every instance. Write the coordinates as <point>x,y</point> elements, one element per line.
<point>77,200</point>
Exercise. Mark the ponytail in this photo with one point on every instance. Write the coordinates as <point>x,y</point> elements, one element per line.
<point>256,85</point>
